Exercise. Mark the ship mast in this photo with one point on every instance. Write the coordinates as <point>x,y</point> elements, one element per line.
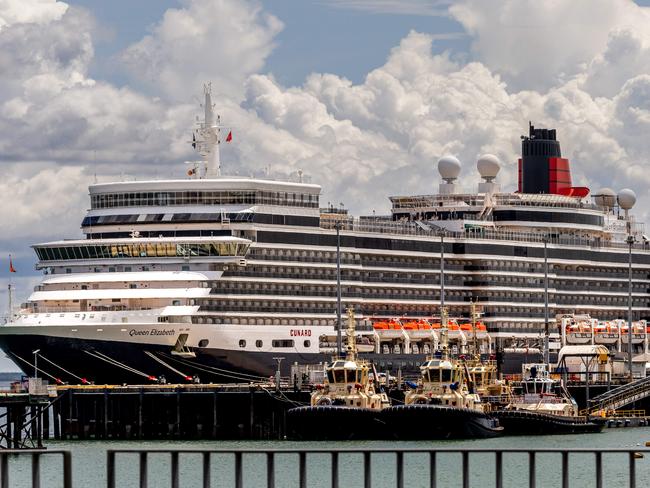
<point>206,139</point>
<point>352,343</point>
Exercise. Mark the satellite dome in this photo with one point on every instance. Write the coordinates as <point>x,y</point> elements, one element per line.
<point>605,198</point>
<point>488,166</point>
<point>449,168</point>
<point>626,199</point>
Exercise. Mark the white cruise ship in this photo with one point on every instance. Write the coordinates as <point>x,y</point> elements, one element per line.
<point>216,276</point>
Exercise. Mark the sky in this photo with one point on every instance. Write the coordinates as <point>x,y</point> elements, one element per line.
<point>363,96</point>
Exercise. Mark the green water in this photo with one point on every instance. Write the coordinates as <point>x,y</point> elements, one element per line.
<point>89,468</point>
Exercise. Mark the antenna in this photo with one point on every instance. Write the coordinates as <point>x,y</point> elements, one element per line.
<point>206,139</point>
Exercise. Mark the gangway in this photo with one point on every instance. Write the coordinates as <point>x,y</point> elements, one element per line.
<point>622,395</point>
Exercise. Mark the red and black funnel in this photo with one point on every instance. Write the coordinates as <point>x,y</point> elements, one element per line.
<point>542,169</point>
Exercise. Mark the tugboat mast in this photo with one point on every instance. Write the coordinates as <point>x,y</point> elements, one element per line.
<point>352,343</point>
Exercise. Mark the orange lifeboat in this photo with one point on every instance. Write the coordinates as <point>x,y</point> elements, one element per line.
<point>381,326</point>
<point>411,326</point>
<point>436,325</point>
<point>394,324</point>
<point>481,326</point>
<point>424,325</point>
<point>465,326</point>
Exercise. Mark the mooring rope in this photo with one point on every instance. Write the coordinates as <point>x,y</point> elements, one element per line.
<point>37,369</point>
<point>233,375</point>
<point>114,362</point>
<point>83,380</point>
<point>152,356</point>
<point>221,371</point>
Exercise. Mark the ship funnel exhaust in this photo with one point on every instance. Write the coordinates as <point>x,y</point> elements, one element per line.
<point>542,169</point>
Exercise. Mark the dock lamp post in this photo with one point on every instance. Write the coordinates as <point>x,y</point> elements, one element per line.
<point>339,343</point>
<point>626,199</point>
<point>547,352</point>
<point>35,353</point>
<point>630,243</point>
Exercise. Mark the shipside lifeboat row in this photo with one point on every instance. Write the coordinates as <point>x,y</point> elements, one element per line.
<point>423,336</point>
<point>586,330</point>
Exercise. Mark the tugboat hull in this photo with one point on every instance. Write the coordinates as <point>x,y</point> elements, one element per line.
<point>424,422</point>
<point>522,422</point>
<point>333,422</point>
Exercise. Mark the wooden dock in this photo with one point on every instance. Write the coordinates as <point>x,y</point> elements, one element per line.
<point>210,411</point>
<point>24,416</point>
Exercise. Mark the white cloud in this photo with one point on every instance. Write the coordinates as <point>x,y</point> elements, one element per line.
<point>44,199</point>
<point>536,44</point>
<point>403,7</point>
<point>14,12</point>
<point>220,40</point>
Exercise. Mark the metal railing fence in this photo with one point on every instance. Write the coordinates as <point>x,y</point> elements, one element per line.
<point>36,455</point>
<point>336,456</point>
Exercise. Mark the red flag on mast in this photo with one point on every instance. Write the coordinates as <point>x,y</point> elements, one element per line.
<point>11,265</point>
<point>229,137</point>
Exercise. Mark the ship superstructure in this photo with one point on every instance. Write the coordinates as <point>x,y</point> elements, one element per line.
<point>218,275</point>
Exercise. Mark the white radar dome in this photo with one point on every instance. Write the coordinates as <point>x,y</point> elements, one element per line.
<point>449,168</point>
<point>488,166</point>
<point>626,199</point>
<point>605,198</point>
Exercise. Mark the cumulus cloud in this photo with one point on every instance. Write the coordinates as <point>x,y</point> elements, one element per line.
<point>13,12</point>
<point>535,45</point>
<point>220,40</point>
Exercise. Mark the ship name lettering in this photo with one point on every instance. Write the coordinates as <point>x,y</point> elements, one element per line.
<point>300,333</point>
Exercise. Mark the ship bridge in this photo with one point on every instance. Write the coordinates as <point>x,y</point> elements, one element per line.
<point>165,249</point>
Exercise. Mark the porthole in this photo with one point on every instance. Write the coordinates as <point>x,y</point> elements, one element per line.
<point>203,343</point>
<point>258,343</point>
<point>307,343</point>
<point>242,343</point>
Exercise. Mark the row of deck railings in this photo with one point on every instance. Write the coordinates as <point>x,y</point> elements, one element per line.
<point>329,467</point>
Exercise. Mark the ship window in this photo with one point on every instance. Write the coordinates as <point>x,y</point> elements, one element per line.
<point>258,343</point>
<point>242,343</point>
<point>307,343</point>
<point>282,343</point>
<point>204,342</point>
<point>339,376</point>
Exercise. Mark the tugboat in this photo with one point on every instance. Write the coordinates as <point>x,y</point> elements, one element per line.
<point>443,405</point>
<point>346,406</point>
<point>542,405</point>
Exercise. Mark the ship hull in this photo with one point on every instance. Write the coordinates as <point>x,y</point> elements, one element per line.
<point>335,423</point>
<point>117,362</point>
<point>424,422</point>
<point>522,422</point>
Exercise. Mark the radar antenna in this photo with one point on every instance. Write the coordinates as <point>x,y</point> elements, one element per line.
<point>207,137</point>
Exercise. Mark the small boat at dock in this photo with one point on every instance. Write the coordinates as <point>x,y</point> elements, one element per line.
<point>442,405</point>
<point>346,406</point>
<point>541,405</point>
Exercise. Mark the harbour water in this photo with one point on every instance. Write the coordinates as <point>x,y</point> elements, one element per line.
<point>89,463</point>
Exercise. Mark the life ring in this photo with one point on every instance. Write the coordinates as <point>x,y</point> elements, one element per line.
<point>323,401</point>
